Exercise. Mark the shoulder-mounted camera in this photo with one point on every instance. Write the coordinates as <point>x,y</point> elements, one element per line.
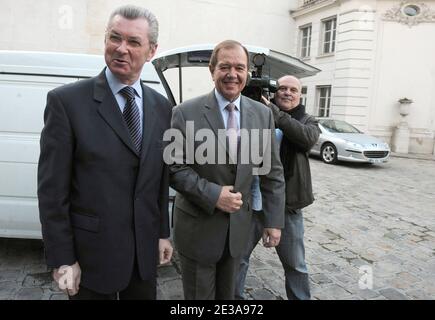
<point>257,84</point>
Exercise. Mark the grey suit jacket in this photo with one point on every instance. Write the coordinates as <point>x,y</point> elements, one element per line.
<point>200,229</point>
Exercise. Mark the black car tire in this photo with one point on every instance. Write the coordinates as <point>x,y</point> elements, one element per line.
<point>328,152</point>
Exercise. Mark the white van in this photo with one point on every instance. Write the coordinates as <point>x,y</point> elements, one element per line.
<point>25,79</point>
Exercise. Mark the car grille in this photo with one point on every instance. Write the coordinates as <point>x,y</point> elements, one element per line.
<point>376,154</point>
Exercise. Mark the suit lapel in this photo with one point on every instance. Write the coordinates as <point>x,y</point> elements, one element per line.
<point>110,111</point>
<point>149,120</point>
<point>245,114</point>
<point>214,117</point>
<point>212,114</point>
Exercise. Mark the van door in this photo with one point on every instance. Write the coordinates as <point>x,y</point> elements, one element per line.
<point>266,63</point>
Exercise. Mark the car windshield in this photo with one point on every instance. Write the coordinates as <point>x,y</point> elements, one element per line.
<point>338,126</point>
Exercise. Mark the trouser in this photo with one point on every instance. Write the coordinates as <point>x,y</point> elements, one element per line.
<point>214,281</point>
<point>137,289</point>
<point>291,252</point>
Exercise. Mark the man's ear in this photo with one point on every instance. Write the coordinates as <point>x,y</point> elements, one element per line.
<point>152,52</point>
<point>106,33</point>
<point>211,68</point>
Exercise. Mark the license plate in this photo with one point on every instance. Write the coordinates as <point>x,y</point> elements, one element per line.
<point>376,160</point>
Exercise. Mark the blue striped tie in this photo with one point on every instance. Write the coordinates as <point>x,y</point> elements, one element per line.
<point>132,117</point>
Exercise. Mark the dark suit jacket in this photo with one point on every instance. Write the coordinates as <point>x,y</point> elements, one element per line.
<point>200,229</point>
<point>99,201</point>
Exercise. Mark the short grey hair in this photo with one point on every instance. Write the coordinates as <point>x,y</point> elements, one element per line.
<point>132,12</point>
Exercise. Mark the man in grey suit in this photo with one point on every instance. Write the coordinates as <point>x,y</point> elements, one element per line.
<point>102,183</point>
<point>212,211</point>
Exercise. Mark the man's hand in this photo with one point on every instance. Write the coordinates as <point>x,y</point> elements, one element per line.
<point>265,100</point>
<point>229,201</point>
<point>165,251</point>
<point>68,278</point>
<point>271,237</point>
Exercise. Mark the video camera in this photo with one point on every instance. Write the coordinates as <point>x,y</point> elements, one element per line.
<point>258,84</point>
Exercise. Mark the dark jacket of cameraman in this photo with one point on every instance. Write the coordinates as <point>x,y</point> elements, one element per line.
<point>300,133</point>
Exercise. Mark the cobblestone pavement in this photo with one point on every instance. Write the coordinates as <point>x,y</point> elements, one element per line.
<point>378,218</point>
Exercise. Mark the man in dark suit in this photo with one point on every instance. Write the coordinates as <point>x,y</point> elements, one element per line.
<point>212,208</point>
<point>102,182</point>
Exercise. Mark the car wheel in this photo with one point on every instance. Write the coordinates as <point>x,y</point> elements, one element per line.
<point>329,153</point>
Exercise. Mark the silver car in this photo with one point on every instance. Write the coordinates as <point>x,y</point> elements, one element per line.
<point>341,141</point>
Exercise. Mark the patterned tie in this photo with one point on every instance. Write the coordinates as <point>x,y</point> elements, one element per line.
<point>232,132</point>
<point>132,117</point>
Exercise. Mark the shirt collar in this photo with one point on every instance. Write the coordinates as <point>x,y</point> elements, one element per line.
<point>223,102</point>
<point>116,85</point>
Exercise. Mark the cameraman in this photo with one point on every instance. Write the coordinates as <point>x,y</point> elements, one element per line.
<point>296,133</point>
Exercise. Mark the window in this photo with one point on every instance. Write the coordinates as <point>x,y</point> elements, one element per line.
<point>304,96</point>
<point>305,45</point>
<point>324,100</point>
<point>411,10</point>
<point>329,34</point>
